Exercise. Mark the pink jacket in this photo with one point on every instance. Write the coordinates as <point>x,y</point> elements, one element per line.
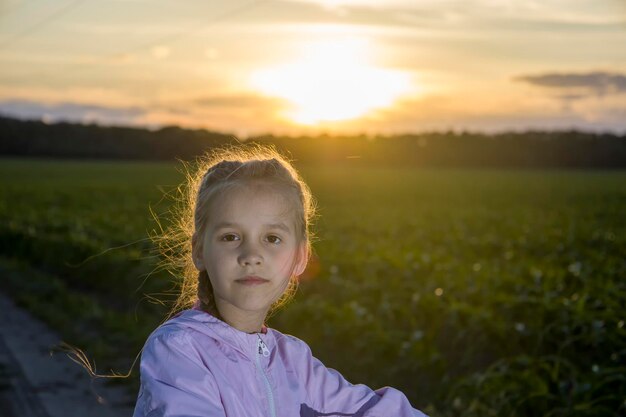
<point>197,365</point>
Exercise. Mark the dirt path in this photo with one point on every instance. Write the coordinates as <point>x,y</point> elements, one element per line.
<point>35,382</point>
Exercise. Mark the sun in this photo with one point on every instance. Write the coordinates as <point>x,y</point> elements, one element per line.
<point>333,81</point>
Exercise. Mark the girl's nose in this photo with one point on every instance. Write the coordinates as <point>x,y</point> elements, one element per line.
<point>250,257</point>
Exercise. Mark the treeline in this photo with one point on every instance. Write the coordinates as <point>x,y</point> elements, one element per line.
<point>566,149</point>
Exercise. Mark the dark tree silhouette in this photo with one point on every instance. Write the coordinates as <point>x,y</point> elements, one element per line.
<point>532,149</point>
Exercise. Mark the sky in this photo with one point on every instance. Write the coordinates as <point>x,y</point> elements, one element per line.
<point>252,67</point>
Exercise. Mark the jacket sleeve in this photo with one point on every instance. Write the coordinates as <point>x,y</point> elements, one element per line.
<point>330,393</point>
<point>174,383</point>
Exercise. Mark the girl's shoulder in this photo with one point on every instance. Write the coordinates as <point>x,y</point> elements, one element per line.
<point>179,328</point>
<point>290,345</point>
<point>190,334</point>
<point>286,339</point>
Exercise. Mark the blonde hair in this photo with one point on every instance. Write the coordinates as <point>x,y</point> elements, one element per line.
<point>213,172</point>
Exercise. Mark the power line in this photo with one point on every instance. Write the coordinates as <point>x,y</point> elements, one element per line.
<point>163,39</point>
<point>199,27</point>
<point>21,35</point>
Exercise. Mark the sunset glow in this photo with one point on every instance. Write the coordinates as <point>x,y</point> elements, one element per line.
<point>333,81</point>
<point>317,66</point>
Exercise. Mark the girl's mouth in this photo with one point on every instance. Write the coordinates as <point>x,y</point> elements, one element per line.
<point>251,280</point>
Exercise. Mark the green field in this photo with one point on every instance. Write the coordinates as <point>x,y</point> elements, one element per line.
<point>475,292</point>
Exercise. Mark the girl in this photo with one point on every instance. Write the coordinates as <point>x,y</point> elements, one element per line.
<point>248,240</point>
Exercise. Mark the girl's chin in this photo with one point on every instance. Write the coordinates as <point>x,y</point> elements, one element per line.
<point>253,306</point>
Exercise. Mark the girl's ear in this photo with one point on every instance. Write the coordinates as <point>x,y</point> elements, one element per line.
<point>196,252</point>
<point>303,250</point>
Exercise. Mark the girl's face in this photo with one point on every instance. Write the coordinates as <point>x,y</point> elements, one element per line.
<point>250,232</point>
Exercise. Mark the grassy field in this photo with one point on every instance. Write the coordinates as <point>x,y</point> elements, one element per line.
<point>475,292</point>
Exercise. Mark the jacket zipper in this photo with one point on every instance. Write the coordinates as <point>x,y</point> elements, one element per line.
<point>263,350</point>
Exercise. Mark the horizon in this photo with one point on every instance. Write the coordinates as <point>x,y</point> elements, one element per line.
<point>459,132</point>
<point>309,67</point>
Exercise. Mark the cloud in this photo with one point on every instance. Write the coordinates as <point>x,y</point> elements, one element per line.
<point>238,100</point>
<point>243,113</point>
<point>511,111</point>
<point>483,15</point>
<point>75,112</point>
<point>597,83</point>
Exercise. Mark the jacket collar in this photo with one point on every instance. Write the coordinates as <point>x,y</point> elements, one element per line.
<point>223,333</point>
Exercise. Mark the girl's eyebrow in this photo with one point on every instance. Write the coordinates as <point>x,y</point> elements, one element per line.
<point>280,226</point>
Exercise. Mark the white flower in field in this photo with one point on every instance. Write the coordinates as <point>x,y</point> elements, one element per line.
<point>520,327</point>
<point>334,269</point>
<point>537,274</point>
<point>359,310</point>
<point>595,368</point>
<point>476,267</point>
<point>575,268</point>
<point>457,403</point>
<point>417,335</point>
<point>439,292</point>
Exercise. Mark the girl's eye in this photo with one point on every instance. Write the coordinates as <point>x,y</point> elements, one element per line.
<point>229,237</point>
<point>274,239</point>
